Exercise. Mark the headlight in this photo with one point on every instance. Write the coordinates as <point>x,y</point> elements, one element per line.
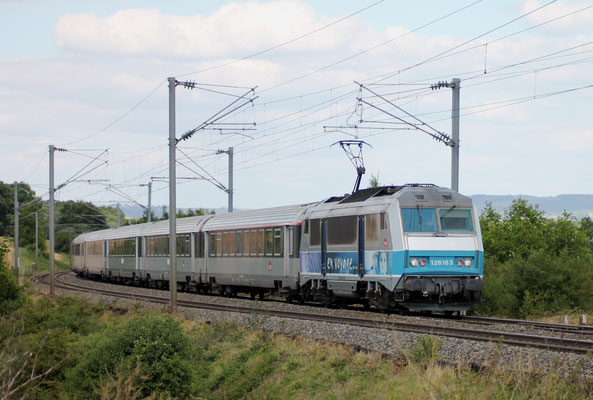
<point>460,262</point>
<point>467,262</point>
<point>413,262</point>
<point>422,262</point>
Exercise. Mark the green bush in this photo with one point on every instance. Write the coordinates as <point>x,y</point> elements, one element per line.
<point>42,340</point>
<point>534,265</point>
<point>158,344</point>
<point>10,291</point>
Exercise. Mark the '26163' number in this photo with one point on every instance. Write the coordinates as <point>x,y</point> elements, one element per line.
<point>441,262</point>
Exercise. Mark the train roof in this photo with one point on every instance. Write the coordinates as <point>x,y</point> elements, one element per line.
<point>277,216</point>
<point>184,225</point>
<point>112,233</point>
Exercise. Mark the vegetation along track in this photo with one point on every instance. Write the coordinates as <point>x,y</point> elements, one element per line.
<point>470,333</point>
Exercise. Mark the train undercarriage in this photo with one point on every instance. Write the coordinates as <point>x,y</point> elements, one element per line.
<point>426,294</point>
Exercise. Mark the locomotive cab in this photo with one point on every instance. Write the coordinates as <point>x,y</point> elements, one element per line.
<point>443,255</point>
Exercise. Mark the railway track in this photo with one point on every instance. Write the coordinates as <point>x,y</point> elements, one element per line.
<point>471,333</point>
<point>559,328</point>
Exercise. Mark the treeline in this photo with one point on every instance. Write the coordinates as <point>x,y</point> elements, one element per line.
<point>71,218</point>
<point>535,265</point>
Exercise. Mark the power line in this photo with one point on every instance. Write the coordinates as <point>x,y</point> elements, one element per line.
<point>370,48</point>
<point>282,44</point>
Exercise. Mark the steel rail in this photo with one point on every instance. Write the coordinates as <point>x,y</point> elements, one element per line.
<point>515,339</point>
<point>576,329</point>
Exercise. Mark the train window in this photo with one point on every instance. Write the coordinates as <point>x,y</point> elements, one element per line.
<point>371,228</point>
<point>139,242</point>
<point>383,221</point>
<point>269,242</point>
<point>219,244</point>
<point>122,247</point>
<point>246,243</point>
<point>278,250</point>
<point>419,219</point>
<point>306,229</point>
<point>199,244</point>
<point>260,242</point>
<point>253,243</point>
<point>183,245</point>
<point>232,243</point>
<point>212,245</point>
<point>238,243</point>
<point>342,230</point>
<point>95,248</point>
<point>456,220</point>
<point>164,245</point>
<point>315,232</point>
<point>225,243</point>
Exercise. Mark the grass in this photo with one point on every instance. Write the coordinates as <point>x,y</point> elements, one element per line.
<point>232,361</point>
<point>27,258</point>
<point>237,362</point>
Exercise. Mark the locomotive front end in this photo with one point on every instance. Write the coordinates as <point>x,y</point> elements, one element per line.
<point>443,261</point>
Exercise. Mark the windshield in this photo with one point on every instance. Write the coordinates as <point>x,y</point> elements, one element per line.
<point>419,219</point>
<point>425,220</point>
<point>456,220</point>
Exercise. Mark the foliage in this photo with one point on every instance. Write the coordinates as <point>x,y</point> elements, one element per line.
<point>41,341</point>
<point>534,265</point>
<point>157,343</point>
<point>74,218</point>
<point>10,291</point>
<point>180,214</point>
<point>587,228</point>
<point>29,204</point>
<point>374,181</point>
<point>426,350</point>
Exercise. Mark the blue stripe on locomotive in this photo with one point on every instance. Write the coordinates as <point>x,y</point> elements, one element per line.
<point>394,262</point>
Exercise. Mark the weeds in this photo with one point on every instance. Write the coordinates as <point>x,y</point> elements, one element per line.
<point>426,350</point>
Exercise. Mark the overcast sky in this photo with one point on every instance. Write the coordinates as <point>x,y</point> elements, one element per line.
<point>91,75</point>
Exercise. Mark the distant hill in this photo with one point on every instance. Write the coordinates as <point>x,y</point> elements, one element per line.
<point>579,205</point>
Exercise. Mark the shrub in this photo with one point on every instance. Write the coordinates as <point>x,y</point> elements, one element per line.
<point>534,265</point>
<point>10,291</point>
<point>426,350</point>
<point>158,344</point>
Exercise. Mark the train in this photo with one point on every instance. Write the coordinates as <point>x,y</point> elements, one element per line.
<point>414,247</point>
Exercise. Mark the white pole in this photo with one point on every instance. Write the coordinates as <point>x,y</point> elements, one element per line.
<point>172,200</point>
<point>455,85</point>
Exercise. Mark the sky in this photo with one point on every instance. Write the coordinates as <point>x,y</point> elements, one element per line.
<point>91,78</point>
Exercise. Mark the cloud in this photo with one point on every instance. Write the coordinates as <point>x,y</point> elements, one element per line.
<point>577,21</point>
<point>235,28</point>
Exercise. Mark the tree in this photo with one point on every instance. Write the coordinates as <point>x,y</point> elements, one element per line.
<point>29,203</point>
<point>535,265</point>
<point>10,290</point>
<point>74,218</point>
<point>587,229</point>
<point>374,181</point>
